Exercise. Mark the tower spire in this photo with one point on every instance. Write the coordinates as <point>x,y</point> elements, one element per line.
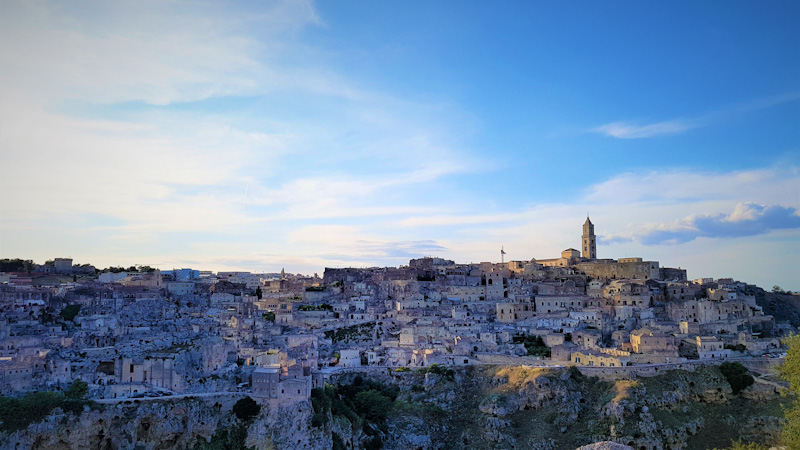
<point>588,240</point>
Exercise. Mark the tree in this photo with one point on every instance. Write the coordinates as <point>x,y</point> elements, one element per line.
<point>16,265</point>
<point>246,408</point>
<point>790,371</point>
<point>777,289</point>
<point>259,293</point>
<point>70,311</point>
<point>739,445</point>
<point>77,391</point>
<point>737,375</point>
<point>373,405</point>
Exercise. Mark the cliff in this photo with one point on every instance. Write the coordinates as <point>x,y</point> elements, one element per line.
<point>471,407</point>
<point>524,407</point>
<point>170,424</point>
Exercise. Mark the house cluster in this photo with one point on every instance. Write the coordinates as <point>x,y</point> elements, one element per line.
<point>147,332</point>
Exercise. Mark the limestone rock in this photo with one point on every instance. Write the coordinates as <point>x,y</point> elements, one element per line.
<point>605,445</point>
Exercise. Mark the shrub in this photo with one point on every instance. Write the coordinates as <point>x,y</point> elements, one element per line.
<point>374,443</point>
<point>70,311</point>
<point>373,405</point>
<point>338,443</point>
<point>737,348</point>
<point>246,408</point>
<point>77,391</point>
<point>18,413</point>
<point>737,375</point>
<point>232,437</point>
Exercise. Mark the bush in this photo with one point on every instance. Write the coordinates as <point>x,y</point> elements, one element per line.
<point>18,413</point>
<point>246,408</point>
<point>70,311</point>
<point>533,344</point>
<point>77,391</point>
<point>374,443</point>
<point>373,405</point>
<point>737,348</point>
<point>338,443</point>
<point>737,375</point>
<point>438,369</point>
<point>233,437</point>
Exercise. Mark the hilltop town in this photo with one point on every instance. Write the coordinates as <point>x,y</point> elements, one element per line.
<point>141,332</point>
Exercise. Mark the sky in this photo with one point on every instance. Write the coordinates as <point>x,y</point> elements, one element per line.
<point>260,135</point>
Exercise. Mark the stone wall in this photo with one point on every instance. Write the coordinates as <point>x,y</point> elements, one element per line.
<point>650,370</point>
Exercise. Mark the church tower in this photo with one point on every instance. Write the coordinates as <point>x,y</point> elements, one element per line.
<point>589,244</point>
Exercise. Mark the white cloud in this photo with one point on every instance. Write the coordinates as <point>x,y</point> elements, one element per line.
<point>168,170</point>
<point>155,52</point>
<point>625,130</point>
<point>365,186</point>
<point>704,208</point>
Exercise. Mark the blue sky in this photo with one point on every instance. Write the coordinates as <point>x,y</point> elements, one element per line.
<point>261,135</point>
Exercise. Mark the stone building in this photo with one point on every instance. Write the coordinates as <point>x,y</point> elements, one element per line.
<point>588,240</point>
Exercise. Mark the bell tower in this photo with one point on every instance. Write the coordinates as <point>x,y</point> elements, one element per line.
<point>589,243</point>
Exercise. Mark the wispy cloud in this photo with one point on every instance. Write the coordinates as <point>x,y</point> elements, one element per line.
<point>402,249</point>
<point>634,130</point>
<point>158,53</point>
<point>626,130</point>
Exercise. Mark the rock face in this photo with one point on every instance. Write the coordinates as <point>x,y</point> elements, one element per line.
<point>605,445</point>
<point>479,407</point>
<point>166,424</point>
<point>149,425</point>
<point>524,407</point>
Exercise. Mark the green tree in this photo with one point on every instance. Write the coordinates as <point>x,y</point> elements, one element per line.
<point>739,445</point>
<point>373,405</point>
<point>77,391</point>
<point>246,408</point>
<point>737,375</point>
<point>70,311</point>
<point>790,371</point>
<point>259,293</point>
<point>16,265</point>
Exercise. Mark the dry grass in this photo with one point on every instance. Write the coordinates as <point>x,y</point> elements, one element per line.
<point>519,376</point>
<point>623,389</point>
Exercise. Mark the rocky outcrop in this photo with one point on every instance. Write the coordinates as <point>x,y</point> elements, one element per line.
<point>148,425</point>
<point>605,445</point>
<point>169,424</point>
<point>489,408</point>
